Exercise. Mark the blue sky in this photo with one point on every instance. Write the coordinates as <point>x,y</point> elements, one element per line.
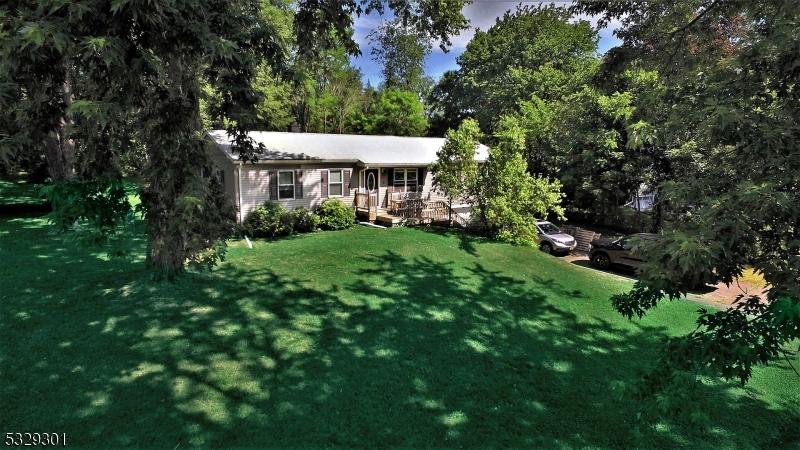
<point>481,13</point>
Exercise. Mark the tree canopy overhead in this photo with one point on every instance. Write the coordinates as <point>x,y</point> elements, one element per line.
<point>88,79</point>
<point>730,72</point>
<point>530,51</point>
<point>401,52</point>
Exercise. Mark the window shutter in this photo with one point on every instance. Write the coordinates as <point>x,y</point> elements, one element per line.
<point>421,172</point>
<point>346,185</point>
<point>324,174</point>
<point>298,184</point>
<point>273,185</point>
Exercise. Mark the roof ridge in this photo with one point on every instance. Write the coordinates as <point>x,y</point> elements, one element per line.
<point>334,134</point>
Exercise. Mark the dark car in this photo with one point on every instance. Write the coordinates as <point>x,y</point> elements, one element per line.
<point>605,253</point>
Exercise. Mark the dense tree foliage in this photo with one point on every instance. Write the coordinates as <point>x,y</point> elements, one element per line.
<point>531,51</point>
<point>455,170</point>
<point>401,52</point>
<point>730,71</point>
<point>598,145</point>
<point>335,95</point>
<point>509,199</point>
<point>583,126</point>
<point>88,80</point>
<point>397,113</point>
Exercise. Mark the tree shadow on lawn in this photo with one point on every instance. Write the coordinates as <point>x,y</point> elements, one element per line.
<point>619,271</point>
<point>412,352</point>
<point>629,273</point>
<point>466,240</point>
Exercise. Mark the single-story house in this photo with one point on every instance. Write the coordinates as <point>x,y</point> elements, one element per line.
<point>372,173</point>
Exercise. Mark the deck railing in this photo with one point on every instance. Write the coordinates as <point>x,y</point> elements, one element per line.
<point>434,211</point>
<point>409,206</point>
<point>366,201</point>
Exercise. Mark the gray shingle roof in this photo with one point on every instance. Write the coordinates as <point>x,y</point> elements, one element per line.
<point>369,150</point>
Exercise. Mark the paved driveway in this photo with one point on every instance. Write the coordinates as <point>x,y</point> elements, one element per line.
<point>719,296</point>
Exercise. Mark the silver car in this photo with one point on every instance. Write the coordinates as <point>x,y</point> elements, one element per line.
<point>552,240</point>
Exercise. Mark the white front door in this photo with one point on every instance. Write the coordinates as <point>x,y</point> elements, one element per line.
<point>371,181</point>
<point>372,186</point>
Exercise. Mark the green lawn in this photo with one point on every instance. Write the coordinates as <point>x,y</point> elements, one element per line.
<point>365,337</point>
<point>19,192</point>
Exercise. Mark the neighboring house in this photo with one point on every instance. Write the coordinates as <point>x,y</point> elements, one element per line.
<point>643,200</point>
<point>383,176</point>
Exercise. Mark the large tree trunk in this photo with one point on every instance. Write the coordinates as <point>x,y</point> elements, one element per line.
<point>188,214</point>
<point>165,246</point>
<point>59,147</point>
<point>176,160</point>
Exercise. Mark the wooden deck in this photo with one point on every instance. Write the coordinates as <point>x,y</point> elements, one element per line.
<point>384,217</point>
<point>400,212</point>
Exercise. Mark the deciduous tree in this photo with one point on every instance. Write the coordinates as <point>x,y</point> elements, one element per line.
<point>731,74</point>
<point>401,51</point>
<point>510,199</point>
<point>455,170</point>
<point>398,113</point>
<point>531,51</point>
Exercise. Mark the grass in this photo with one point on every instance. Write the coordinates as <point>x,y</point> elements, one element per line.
<point>364,337</point>
<point>19,192</point>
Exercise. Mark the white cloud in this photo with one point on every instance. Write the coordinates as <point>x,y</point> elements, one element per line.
<point>483,14</point>
<point>363,26</point>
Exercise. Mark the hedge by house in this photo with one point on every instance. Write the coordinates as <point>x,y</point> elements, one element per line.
<point>335,215</point>
<point>304,220</point>
<point>269,219</point>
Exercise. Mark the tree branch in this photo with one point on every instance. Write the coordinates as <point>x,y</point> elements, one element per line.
<point>696,19</point>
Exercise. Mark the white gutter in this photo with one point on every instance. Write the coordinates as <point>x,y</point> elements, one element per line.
<point>239,188</point>
<point>301,161</point>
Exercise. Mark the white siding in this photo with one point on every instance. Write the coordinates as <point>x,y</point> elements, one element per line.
<point>228,168</point>
<point>255,187</point>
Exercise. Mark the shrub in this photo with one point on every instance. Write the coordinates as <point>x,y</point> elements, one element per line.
<point>268,220</point>
<point>304,221</point>
<point>335,215</point>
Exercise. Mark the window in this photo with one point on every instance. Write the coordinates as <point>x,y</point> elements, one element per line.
<point>335,183</point>
<point>286,185</point>
<point>548,228</point>
<point>405,179</point>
